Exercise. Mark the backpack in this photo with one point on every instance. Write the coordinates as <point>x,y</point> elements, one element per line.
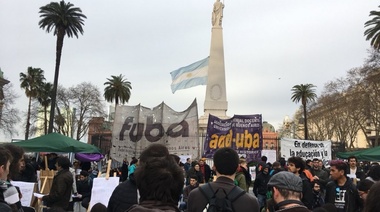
<point>223,204</point>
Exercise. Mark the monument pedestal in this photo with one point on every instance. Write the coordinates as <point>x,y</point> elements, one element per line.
<point>216,97</point>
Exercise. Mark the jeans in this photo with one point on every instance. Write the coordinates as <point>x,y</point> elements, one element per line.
<point>262,200</point>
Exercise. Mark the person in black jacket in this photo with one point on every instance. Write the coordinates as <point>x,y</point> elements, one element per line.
<point>5,160</point>
<point>160,183</point>
<point>205,169</point>
<point>125,194</point>
<point>84,187</point>
<point>354,170</point>
<point>296,165</point>
<point>260,186</point>
<point>341,191</point>
<point>60,192</point>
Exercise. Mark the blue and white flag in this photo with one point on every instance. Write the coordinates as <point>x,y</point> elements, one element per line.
<point>190,76</point>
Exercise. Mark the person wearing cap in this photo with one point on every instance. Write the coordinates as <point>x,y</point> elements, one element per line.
<point>341,191</point>
<point>287,192</point>
<point>226,162</point>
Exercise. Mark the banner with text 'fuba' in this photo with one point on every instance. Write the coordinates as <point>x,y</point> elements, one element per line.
<point>306,149</point>
<point>136,127</point>
<point>241,132</point>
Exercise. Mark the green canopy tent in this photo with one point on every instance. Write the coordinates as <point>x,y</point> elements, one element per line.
<point>55,142</point>
<point>371,154</point>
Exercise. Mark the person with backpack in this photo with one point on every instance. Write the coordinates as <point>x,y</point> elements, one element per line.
<point>223,194</point>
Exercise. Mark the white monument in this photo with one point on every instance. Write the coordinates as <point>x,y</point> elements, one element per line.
<point>216,97</point>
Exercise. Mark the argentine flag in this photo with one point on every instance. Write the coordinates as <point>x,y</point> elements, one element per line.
<point>190,76</point>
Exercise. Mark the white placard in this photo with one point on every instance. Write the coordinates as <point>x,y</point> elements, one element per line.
<point>102,190</point>
<point>26,190</point>
<point>271,155</point>
<point>252,171</point>
<point>306,149</point>
<point>184,158</point>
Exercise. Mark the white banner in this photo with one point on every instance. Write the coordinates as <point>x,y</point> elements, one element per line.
<point>136,127</point>
<point>306,149</point>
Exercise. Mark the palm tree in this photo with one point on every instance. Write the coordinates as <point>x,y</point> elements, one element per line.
<point>63,19</point>
<point>44,98</point>
<point>373,33</point>
<point>31,82</point>
<point>118,89</point>
<point>304,93</point>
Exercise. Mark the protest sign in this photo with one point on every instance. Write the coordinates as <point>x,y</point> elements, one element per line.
<point>136,127</point>
<point>306,149</point>
<point>241,132</point>
<point>102,189</point>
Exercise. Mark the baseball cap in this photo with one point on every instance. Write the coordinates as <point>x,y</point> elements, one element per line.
<point>286,180</point>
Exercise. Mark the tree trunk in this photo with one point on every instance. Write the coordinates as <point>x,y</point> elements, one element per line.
<point>28,119</point>
<point>45,120</point>
<point>60,36</point>
<point>305,122</point>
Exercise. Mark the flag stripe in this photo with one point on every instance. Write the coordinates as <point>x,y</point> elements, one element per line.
<point>202,72</point>
<point>190,76</point>
<point>189,83</point>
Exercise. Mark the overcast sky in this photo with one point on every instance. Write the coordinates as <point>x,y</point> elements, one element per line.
<point>269,46</point>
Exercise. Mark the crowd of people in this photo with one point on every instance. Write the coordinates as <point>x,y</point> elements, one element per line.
<point>158,181</point>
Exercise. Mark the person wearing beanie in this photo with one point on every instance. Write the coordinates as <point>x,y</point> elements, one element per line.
<point>363,188</point>
<point>226,162</point>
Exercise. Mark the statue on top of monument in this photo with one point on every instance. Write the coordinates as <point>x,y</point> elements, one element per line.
<point>217,13</point>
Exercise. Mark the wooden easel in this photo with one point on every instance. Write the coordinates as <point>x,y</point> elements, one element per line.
<point>46,178</point>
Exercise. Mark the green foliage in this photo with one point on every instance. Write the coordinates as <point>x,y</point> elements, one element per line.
<point>373,29</point>
<point>117,89</point>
